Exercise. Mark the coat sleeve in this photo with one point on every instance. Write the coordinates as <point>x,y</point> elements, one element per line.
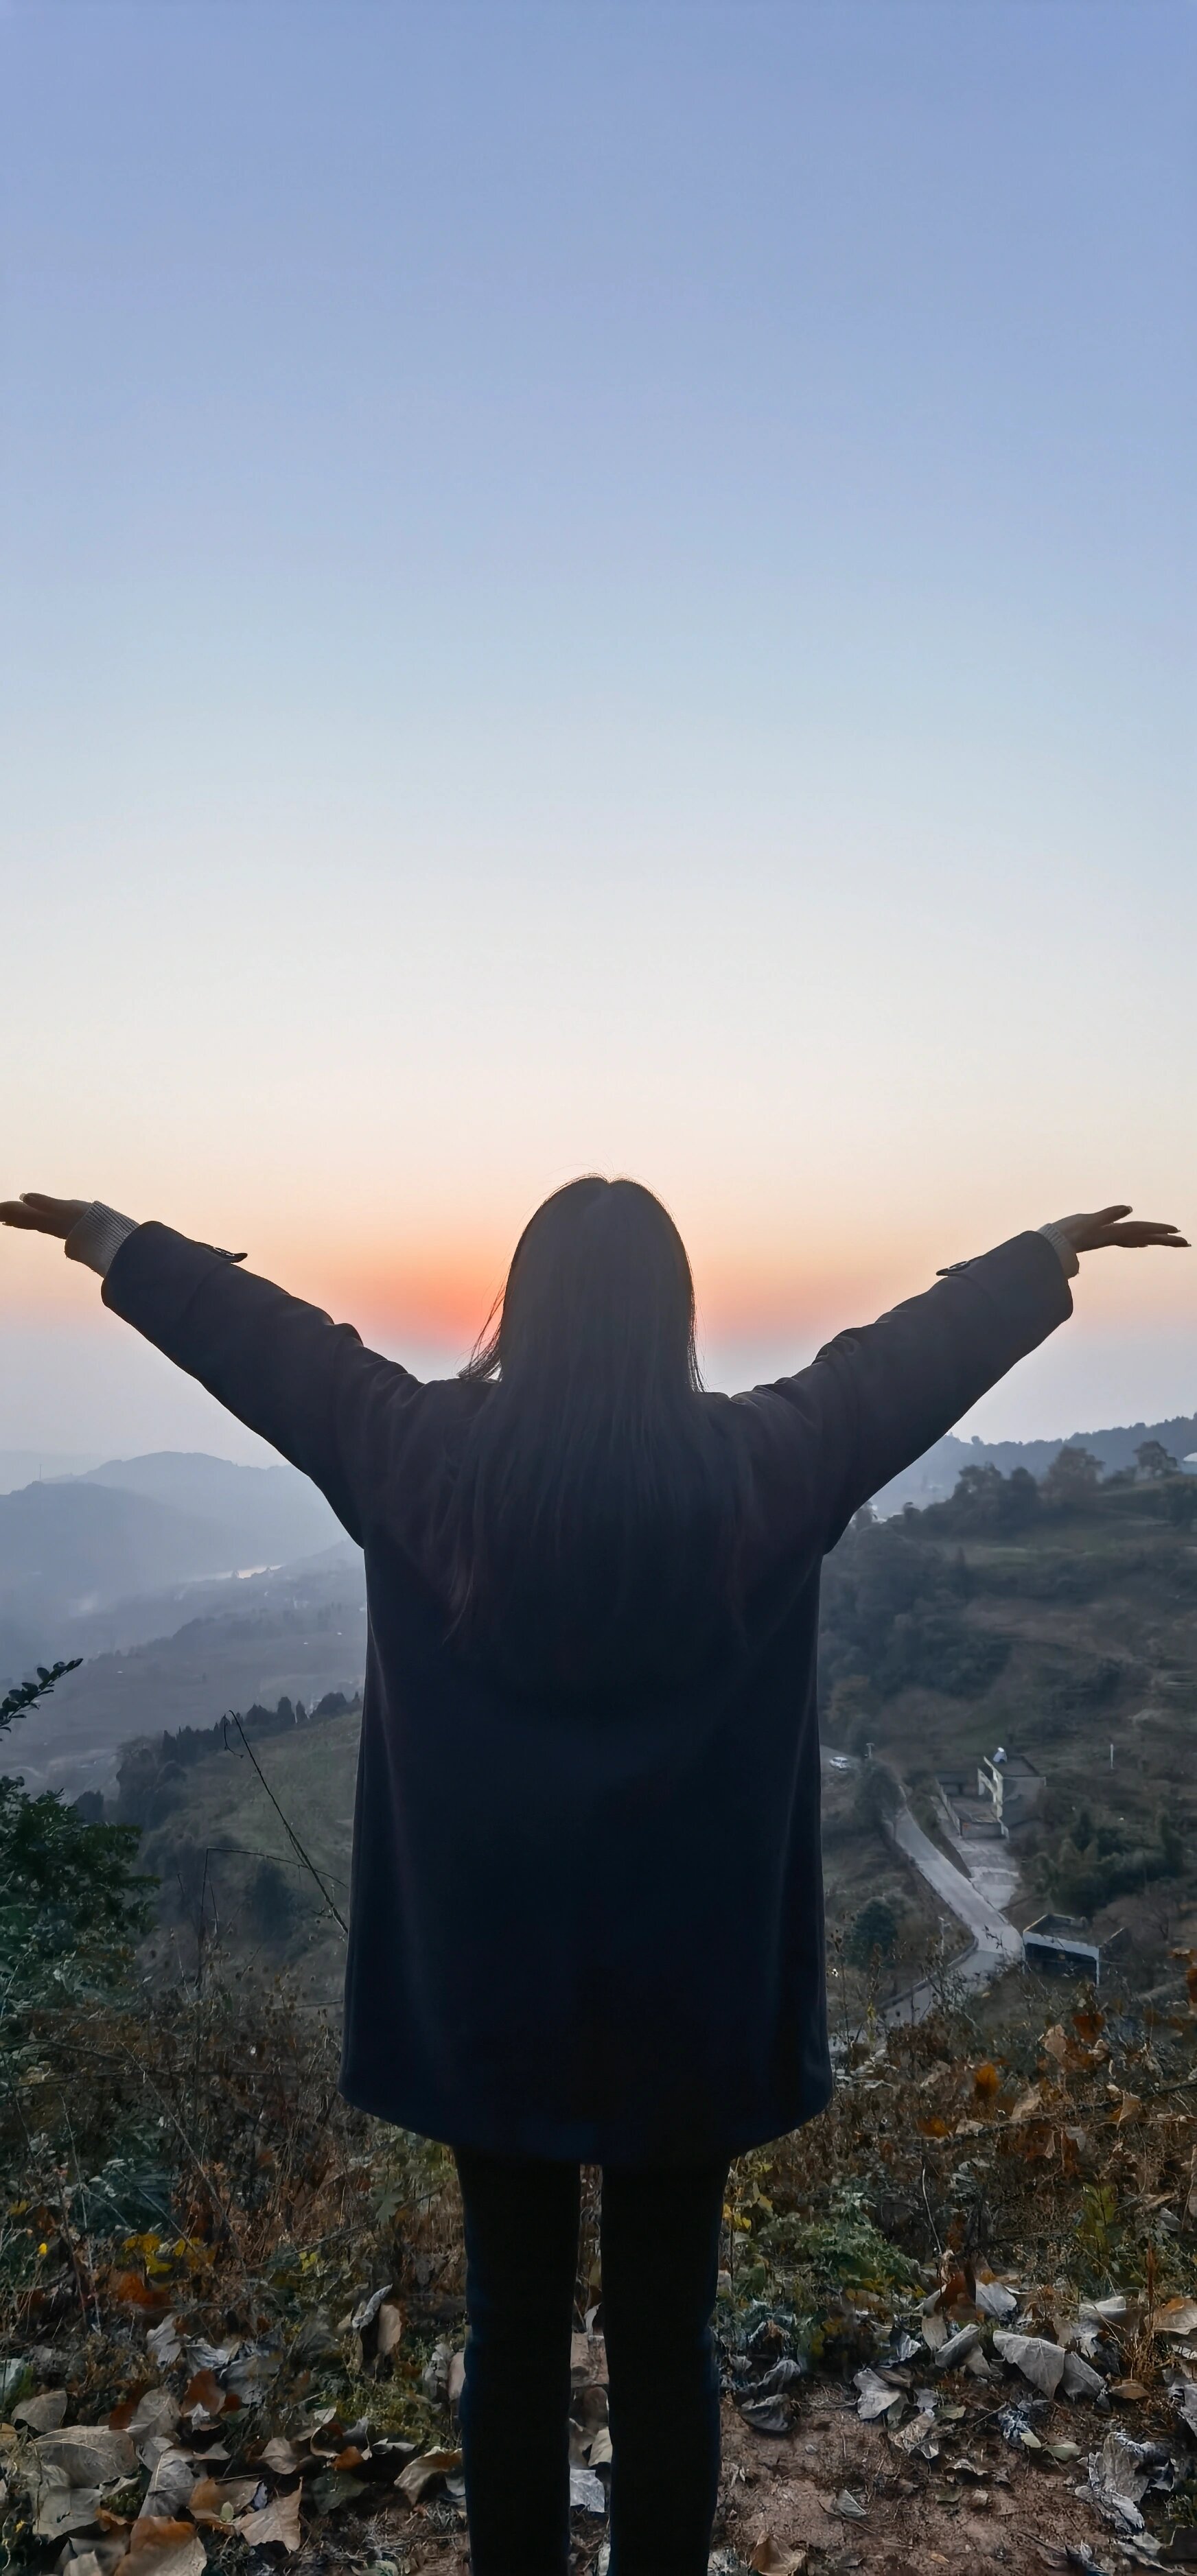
<point>305,1384</point>
<point>876,1397</point>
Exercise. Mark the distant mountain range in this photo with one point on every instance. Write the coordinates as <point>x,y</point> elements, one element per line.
<point>933,1476</point>
<point>21,1466</point>
<point>73,1547</point>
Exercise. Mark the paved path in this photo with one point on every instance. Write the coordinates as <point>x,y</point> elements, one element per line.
<point>978,1900</point>
<point>995,1943</point>
<point>974,1905</point>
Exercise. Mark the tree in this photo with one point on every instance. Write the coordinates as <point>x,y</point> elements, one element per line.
<point>1072,1480</point>
<point>1171,1842</point>
<point>984,1499</point>
<point>891,1614</point>
<point>875,1796</point>
<point>874,1934</point>
<point>1152,1459</point>
<point>272,1903</point>
<point>850,1712</point>
<point>71,1897</point>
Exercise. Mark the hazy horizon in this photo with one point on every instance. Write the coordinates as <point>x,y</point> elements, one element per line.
<point>599,589</point>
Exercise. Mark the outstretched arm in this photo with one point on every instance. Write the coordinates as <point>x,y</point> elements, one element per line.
<point>305,1384</point>
<point>875,1399</point>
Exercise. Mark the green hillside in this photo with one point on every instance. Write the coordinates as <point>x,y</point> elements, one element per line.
<point>225,1859</point>
<point>1059,1620</point>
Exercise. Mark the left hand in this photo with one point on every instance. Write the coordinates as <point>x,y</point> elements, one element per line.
<point>1108,1226</point>
<point>34,1213</point>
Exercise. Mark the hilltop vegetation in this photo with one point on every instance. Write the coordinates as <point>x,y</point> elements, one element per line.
<point>1059,1618</point>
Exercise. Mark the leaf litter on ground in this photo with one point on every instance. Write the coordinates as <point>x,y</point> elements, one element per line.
<point>236,2415</point>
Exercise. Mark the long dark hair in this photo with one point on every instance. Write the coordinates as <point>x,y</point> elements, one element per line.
<point>594,1521</point>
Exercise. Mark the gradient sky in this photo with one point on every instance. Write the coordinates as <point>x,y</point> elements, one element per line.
<point>599,585</point>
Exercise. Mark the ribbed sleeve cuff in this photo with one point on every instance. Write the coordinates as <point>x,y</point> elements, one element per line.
<point>1065,1252</point>
<point>98,1237</point>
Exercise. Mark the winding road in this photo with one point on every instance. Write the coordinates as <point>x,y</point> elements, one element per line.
<point>995,1943</point>
<point>978,1900</point>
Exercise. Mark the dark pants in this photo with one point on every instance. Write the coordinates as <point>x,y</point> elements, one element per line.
<point>660,2256</point>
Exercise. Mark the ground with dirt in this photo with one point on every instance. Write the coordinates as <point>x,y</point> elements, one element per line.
<point>957,2318</point>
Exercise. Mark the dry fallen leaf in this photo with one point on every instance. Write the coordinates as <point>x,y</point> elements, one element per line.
<point>218,2501</point>
<point>42,2414</point>
<point>587,2360</point>
<point>131,2291</point>
<point>1079,2378</point>
<point>587,2494</point>
<point>420,2472</point>
<point>1173,2317</point>
<point>172,2477</point>
<point>850,2508</point>
<point>917,2436</point>
<point>280,2456</point>
<point>1183,2394</point>
<point>155,2412</point>
<point>1039,2361</point>
<point>995,2300</point>
<point>62,2509</point>
<point>204,2398</point>
<point>769,2558</point>
<point>87,2455</point>
<point>1117,2479</point>
<point>164,2549</point>
<point>276,2525</point>
<point>876,2397</point>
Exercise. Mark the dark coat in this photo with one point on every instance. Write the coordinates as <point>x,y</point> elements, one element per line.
<point>586,1931</point>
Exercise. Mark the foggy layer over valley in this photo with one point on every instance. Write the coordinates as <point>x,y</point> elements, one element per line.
<point>72,1548</point>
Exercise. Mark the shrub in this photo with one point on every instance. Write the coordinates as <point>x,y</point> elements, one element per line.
<point>1073,1480</point>
<point>272,1905</point>
<point>874,1934</point>
<point>892,1616</point>
<point>71,1897</point>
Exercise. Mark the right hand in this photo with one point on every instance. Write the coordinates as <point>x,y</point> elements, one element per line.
<point>1107,1226</point>
<point>34,1213</point>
